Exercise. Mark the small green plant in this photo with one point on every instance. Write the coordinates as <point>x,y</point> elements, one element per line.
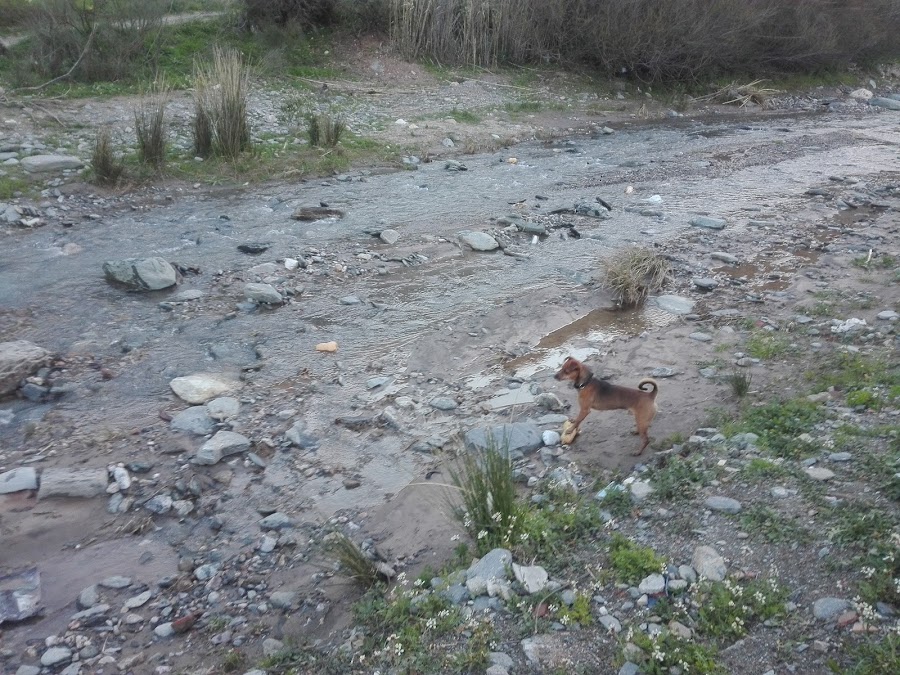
<point>324,131</point>
<point>859,525</point>
<point>357,566</point>
<point>766,345</point>
<point>150,124</point>
<point>464,116</point>
<point>773,526</point>
<point>634,273</point>
<point>578,613</point>
<point>489,510</point>
<point>758,468</point>
<point>728,609</point>
<point>875,655</point>
<point>617,501</point>
<point>107,166</point>
<point>740,380</point>
<point>667,651</point>
<point>217,623</point>
<point>631,561</point>
<point>885,262</point>
<point>779,424</point>
<point>863,398</point>
<point>234,660</point>
<point>678,478</point>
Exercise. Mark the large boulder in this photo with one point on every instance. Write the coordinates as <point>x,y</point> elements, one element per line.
<point>514,439</point>
<point>18,360</point>
<point>141,274</point>
<point>45,163</point>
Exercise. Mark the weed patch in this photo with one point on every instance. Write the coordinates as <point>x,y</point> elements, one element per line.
<point>678,479</point>
<point>633,273</point>
<point>766,345</point>
<point>728,609</point>
<point>107,166</point>
<point>875,656</point>
<point>631,561</point>
<point>779,424</point>
<point>773,526</point>
<point>669,652</point>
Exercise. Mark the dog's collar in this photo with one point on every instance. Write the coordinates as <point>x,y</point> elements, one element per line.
<point>583,384</point>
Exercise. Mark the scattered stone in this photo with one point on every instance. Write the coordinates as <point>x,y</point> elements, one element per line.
<point>478,241</point>
<point>283,599</point>
<point>137,601</point>
<point>492,567</point>
<point>271,647</point>
<point>88,597</point>
<point>840,457</point>
<point>327,347</point>
<point>629,668</point>
<point>47,163</point>
<point>861,94</point>
<point>223,444</point>
<point>375,382</point>
<point>453,165</point>
<point>200,388</point>
<point>276,521</point>
<point>708,563</point>
<point>674,304</point>
<point>724,257</point>
<point>701,337</point>
<point>21,478</point>
<point>141,274</point>
<point>254,247</point>
<point>534,579</point>
<point>262,293</point>
<point>350,300</point>
<point>18,360</point>
<point>550,438</point>
<point>708,223</point>
<point>640,490</point>
<point>28,670</point>
<point>779,492</point>
<point>194,420</point>
<point>705,283</point>
<point>662,373</point>
<point>880,102</point>
<point>223,408</point>
<point>829,608</point>
<point>390,237</point>
<point>819,473</point>
<point>888,315</point>
<point>443,403</point>
<point>653,584</point>
<point>164,630</point>
<point>83,483</point>
<point>723,504</point>
<point>351,483</point>
<point>56,656</point>
<point>116,583</point>
<point>159,504</point>
<point>516,438</point>
<point>610,623</point>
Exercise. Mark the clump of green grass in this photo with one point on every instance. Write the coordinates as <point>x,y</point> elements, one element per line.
<point>150,124</point>
<point>779,424</point>
<point>876,655</point>
<point>464,116</point>
<point>324,130</point>
<point>678,479</point>
<point>773,526</point>
<point>357,566</point>
<point>107,166</point>
<point>740,380</point>
<point>631,561</point>
<point>766,345</point>
<point>634,273</point>
<point>758,468</point>
<point>489,510</point>
<point>675,654</point>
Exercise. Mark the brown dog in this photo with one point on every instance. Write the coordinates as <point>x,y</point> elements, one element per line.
<point>600,395</point>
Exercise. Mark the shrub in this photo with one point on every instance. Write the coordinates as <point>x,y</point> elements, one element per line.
<point>633,273</point>
<point>324,130</point>
<point>150,124</point>
<point>353,561</point>
<point>221,89</point>
<point>108,167</point>
<point>307,13</point>
<point>107,40</point>
<point>740,381</point>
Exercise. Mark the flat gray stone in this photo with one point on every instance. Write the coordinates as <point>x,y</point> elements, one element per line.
<point>654,584</point>
<point>223,408</point>
<point>56,656</point>
<point>46,163</point>
<point>21,478</point>
<point>516,438</point>
<point>829,608</point>
<point>878,101</point>
<point>283,599</point>
<point>350,300</point>
<point>444,403</point>
<point>708,563</point>
<point>164,630</point>
<point>271,647</point>
<point>819,473</point>
<point>194,420</point>
<point>888,315</point>
<point>705,283</point>
<point>493,565</point>
<point>723,504</point>
<point>18,360</point>
<point>186,295</point>
<point>223,444</point>
<point>478,241</point>
<point>708,223</point>
<point>262,293</point>
<point>724,257</point>
<point>610,623</point>
<point>93,612</point>
<point>840,457</point>
<point>141,274</point>
<point>28,670</point>
<point>389,236</point>
<point>82,483</point>
<point>534,578</point>
<point>88,597</point>
<point>159,504</point>
<point>701,337</point>
<point>115,582</point>
<point>629,668</point>
<point>674,304</point>
<point>201,387</point>
<point>276,521</point>
<point>640,490</point>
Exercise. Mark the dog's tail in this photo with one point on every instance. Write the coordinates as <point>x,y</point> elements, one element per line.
<point>652,383</point>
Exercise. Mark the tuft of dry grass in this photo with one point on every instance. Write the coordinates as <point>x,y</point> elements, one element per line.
<point>352,559</point>
<point>150,124</point>
<point>740,381</point>
<point>742,94</point>
<point>324,131</point>
<point>108,167</point>
<point>634,273</point>
<point>221,90</point>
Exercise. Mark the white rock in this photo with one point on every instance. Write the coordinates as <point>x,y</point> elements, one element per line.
<point>18,359</point>
<point>20,478</point>
<point>83,483</point>
<point>533,578</point>
<point>708,563</point>
<point>200,387</point>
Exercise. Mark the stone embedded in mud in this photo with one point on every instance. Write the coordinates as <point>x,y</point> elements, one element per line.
<point>883,102</point>
<point>21,478</point>
<point>194,420</point>
<point>276,521</point>
<point>828,608</point>
<point>515,439</point>
<point>141,274</point>
<point>84,483</point>
<point>223,444</point>
<point>159,504</point>
<point>705,283</point>
<point>478,241</point>
<point>652,584</point>
<point>708,223</point>
<point>55,656</point>
<point>262,293</point>
<point>444,403</point>
<point>819,473</point>
<point>200,388</point>
<point>389,236</point>
<point>223,408</point>
<point>674,304</point>
<point>888,315</point>
<point>18,359</point>
<point>724,257</point>
<point>88,597</point>
<point>723,504</point>
<point>44,163</point>
<point>708,563</point>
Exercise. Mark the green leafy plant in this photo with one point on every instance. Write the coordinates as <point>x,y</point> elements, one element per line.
<point>728,609</point>
<point>678,478</point>
<point>631,561</point>
<point>779,424</point>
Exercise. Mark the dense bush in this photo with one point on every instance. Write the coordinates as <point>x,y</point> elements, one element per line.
<point>282,12</point>
<point>648,39</point>
<point>111,37</point>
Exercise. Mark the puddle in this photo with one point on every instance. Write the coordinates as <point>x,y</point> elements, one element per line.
<point>597,328</point>
<point>772,275</point>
